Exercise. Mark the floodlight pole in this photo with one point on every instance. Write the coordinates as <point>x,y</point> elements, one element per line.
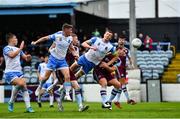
<point>132,27</point>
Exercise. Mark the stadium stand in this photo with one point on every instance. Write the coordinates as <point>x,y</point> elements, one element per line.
<point>153,63</point>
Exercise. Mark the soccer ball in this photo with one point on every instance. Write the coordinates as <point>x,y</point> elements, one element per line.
<point>136,43</point>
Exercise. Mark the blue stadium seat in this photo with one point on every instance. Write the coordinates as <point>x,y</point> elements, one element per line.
<point>169,54</point>
<point>153,52</point>
<point>34,80</point>
<point>89,78</point>
<point>155,75</point>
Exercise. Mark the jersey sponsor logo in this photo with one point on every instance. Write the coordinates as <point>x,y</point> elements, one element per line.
<point>59,38</point>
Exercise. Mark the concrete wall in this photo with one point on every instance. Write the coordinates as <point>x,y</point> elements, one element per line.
<point>97,8</point>
<point>170,92</point>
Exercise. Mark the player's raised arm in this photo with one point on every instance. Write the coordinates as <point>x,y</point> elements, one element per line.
<point>130,61</point>
<point>13,54</point>
<point>88,43</point>
<point>42,39</point>
<point>26,57</point>
<point>73,51</point>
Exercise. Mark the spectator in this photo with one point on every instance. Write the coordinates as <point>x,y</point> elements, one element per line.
<point>166,39</point>
<point>158,47</point>
<point>141,37</point>
<point>148,43</point>
<point>96,33</point>
<point>115,38</point>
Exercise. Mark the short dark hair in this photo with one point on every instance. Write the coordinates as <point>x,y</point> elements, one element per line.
<point>122,36</point>
<point>9,36</point>
<point>110,31</point>
<point>66,25</point>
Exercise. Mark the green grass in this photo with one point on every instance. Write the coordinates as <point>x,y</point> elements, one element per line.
<point>141,110</point>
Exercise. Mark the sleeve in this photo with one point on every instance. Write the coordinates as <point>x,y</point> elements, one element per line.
<point>93,40</point>
<point>6,50</point>
<point>52,37</point>
<point>21,53</point>
<point>113,50</point>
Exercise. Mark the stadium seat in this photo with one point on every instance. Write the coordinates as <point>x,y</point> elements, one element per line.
<point>143,67</point>
<point>158,62</point>
<point>155,59</point>
<point>27,75</point>
<point>146,76</point>
<point>165,61</point>
<point>82,79</point>
<point>150,62</point>
<point>34,80</point>
<point>138,52</point>
<point>155,75</point>
<point>169,54</point>
<point>34,74</point>
<point>33,70</point>
<point>161,52</point>
<point>141,63</point>
<point>163,55</point>
<point>155,56</point>
<point>28,80</point>
<point>148,58</point>
<point>145,52</point>
<point>153,52</point>
<point>160,68</point>
<point>140,56</point>
<point>89,78</point>
<point>140,59</point>
<point>33,63</point>
<point>27,69</point>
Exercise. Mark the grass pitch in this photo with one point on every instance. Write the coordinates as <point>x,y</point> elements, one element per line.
<point>140,110</point>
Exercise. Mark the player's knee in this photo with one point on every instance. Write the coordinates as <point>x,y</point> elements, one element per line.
<point>118,85</point>
<point>103,82</point>
<point>21,83</point>
<point>75,85</point>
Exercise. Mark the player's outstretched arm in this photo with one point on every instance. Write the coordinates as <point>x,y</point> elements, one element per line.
<point>26,57</point>
<point>42,39</point>
<point>13,54</point>
<point>107,67</point>
<point>87,44</point>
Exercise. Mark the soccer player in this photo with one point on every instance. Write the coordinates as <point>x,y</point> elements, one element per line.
<point>63,42</point>
<point>13,71</point>
<point>105,76</point>
<point>98,49</point>
<point>70,59</point>
<point>121,70</point>
<point>41,72</point>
